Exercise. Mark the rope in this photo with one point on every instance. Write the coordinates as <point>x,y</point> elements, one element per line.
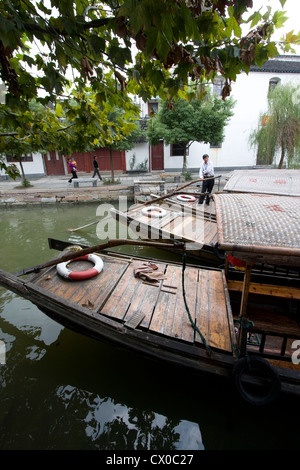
<point>187,308</point>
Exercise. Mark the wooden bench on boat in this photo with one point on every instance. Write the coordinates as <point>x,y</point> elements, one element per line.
<point>78,181</point>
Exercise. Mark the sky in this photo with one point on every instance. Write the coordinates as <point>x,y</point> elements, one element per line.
<point>292,8</point>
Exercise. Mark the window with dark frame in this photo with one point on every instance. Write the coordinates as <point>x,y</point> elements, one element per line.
<point>177,150</point>
<point>273,82</point>
<point>152,108</point>
<point>25,158</point>
<point>218,85</point>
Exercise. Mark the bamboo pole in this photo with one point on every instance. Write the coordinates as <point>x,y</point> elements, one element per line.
<point>88,225</point>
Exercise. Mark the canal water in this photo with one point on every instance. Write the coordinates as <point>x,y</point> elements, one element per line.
<point>62,390</point>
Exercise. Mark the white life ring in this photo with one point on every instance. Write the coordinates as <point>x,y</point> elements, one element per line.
<point>154,211</point>
<point>79,275</point>
<point>186,197</point>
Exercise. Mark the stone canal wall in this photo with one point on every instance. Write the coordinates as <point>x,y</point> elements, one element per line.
<point>24,196</point>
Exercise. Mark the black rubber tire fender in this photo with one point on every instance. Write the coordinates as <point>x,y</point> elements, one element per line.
<point>219,254</point>
<point>253,363</point>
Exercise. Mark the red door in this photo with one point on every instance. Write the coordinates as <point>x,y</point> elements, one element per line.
<point>104,159</point>
<point>157,156</point>
<point>54,163</point>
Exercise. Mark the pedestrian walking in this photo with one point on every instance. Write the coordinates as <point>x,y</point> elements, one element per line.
<point>206,172</point>
<point>72,166</point>
<point>96,168</point>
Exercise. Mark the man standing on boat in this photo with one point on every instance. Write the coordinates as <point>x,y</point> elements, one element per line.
<point>206,173</point>
<point>96,168</point>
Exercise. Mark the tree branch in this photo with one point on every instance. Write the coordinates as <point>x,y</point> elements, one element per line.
<point>36,28</point>
<point>13,134</point>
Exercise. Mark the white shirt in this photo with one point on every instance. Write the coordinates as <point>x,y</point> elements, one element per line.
<point>206,169</point>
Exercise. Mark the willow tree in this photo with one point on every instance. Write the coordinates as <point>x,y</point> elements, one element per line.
<point>278,131</point>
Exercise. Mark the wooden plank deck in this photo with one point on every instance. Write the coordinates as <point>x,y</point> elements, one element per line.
<point>175,224</point>
<point>159,307</point>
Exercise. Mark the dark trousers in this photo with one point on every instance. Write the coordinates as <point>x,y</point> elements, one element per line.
<point>207,187</point>
<point>74,175</point>
<point>96,172</point>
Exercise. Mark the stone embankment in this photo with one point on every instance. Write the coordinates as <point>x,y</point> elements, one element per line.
<point>49,190</point>
<point>26,196</point>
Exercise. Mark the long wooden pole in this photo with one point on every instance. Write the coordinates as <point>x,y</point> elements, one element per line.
<point>85,251</point>
<point>88,225</point>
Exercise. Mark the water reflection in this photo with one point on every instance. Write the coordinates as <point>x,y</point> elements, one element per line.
<point>113,426</point>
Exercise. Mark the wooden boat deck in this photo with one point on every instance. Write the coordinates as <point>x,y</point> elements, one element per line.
<point>159,308</point>
<point>176,224</point>
<point>208,211</point>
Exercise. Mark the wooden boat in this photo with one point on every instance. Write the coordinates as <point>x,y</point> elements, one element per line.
<point>258,228</point>
<point>183,316</point>
<point>174,220</point>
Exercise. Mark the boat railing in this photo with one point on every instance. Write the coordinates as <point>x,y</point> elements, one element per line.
<point>275,340</point>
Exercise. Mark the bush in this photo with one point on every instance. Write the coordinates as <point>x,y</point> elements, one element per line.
<point>187,176</point>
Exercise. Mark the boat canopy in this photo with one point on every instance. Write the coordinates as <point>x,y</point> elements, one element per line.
<point>261,228</point>
<point>265,181</point>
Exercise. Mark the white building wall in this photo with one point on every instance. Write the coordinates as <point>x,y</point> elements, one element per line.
<point>141,153</point>
<point>34,168</point>
<point>250,93</point>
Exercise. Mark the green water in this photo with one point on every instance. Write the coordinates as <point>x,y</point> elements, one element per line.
<point>61,390</point>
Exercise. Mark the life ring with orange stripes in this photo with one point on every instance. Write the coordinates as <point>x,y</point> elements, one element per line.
<point>186,198</point>
<point>154,211</point>
<point>62,268</point>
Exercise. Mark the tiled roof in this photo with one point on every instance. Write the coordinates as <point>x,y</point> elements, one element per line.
<point>290,64</point>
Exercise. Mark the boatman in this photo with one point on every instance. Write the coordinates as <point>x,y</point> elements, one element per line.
<point>206,173</point>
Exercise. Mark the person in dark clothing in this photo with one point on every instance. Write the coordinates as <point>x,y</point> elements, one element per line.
<point>96,168</point>
<point>73,169</point>
<point>206,172</point>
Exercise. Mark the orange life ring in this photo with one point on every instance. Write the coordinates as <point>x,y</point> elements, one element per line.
<point>154,211</point>
<point>80,275</point>
<point>186,198</point>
